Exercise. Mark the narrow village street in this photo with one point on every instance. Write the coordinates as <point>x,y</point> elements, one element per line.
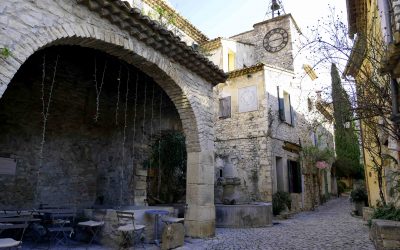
<point>328,227</point>
<point>191,125</point>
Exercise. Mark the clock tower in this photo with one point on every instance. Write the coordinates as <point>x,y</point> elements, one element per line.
<point>275,39</point>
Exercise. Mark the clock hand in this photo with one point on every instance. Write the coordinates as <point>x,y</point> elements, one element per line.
<point>281,38</point>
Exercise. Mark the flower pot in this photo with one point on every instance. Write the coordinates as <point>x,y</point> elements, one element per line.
<point>359,207</point>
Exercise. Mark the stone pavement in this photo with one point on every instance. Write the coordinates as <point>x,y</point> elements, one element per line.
<point>328,227</point>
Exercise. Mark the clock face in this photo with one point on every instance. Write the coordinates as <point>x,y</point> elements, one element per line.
<point>275,40</point>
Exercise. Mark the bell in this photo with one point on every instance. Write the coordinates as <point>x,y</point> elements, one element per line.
<point>275,5</point>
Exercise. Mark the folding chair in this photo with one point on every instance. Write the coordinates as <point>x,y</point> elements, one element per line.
<point>19,222</point>
<point>61,229</point>
<point>93,226</point>
<point>129,230</point>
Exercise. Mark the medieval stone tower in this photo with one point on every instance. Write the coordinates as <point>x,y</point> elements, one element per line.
<point>274,40</point>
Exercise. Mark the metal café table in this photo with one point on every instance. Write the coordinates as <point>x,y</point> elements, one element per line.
<point>156,213</point>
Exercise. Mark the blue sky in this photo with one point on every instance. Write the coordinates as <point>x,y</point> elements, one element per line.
<point>229,17</point>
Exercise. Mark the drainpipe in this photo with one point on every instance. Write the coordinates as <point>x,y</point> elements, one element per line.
<point>388,10</point>
<point>394,86</point>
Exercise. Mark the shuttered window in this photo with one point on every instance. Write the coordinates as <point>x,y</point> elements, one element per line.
<point>286,111</point>
<point>291,112</point>
<point>281,104</point>
<point>294,175</point>
<point>225,107</point>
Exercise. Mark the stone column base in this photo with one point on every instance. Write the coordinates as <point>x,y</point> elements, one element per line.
<point>200,229</point>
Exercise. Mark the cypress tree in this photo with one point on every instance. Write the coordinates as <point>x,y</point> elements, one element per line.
<point>347,147</point>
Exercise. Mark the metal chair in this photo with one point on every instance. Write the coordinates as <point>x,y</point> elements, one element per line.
<point>93,226</point>
<point>61,228</point>
<point>129,230</point>
<point>18,222</point>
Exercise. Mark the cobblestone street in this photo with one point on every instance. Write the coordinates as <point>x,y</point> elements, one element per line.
<point>329,227</point>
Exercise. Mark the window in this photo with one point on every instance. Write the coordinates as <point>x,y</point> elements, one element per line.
<point>231,60</point>
<point>286,113</point>
<point>225,107</point>
<point>294,175</point>
<point>280,185</point>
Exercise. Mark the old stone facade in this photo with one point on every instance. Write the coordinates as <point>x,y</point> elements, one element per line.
<point>263,116</point>
<point>32,28</point>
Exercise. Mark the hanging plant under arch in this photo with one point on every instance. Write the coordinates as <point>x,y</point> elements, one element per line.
<point>168,162</point>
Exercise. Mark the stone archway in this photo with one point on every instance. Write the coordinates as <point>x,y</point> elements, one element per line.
<point>30,27</point>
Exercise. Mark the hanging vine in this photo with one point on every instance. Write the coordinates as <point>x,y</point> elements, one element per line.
<point>134,127</point>
<point>152,113</point>
<point>118,88</point>
<point>125,116</point>
<point>159,150</point>
<point>45,112</point>
<point>98,88</point>
<point>124,139</point>
<point>144,111</point>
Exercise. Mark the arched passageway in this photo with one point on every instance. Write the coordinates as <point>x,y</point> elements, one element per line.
<point>184,75</point>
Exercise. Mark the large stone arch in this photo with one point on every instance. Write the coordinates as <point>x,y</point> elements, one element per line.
<point>70,24</point>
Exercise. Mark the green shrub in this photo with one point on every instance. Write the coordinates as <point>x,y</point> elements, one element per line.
<point>281,200</point>
<point>388,212</point>
<point>324,198</point>
<point>341,187</point>
<point>359,195</point>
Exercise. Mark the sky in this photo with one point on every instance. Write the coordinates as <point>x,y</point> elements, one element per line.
<point>224,18</point>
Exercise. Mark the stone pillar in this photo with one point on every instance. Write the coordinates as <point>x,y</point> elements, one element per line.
<point>200,211</point>
<point>140,187</point>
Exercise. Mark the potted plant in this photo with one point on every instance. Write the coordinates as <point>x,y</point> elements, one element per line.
<point>360,198</point>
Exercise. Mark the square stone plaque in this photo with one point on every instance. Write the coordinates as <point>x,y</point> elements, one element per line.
<point>248,100</point>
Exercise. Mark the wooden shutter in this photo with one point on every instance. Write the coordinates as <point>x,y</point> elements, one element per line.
<point>225,107</point>
<point>294,177</point>
<point>290,176</point>
<point>297,169</point>
<point>281,105</point>
<point>291,112</point>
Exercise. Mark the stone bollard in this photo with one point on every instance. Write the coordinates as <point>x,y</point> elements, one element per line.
<point>173,236</point>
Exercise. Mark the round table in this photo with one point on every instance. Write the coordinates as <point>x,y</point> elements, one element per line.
<point>156,213</point>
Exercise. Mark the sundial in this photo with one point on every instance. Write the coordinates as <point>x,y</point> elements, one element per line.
<point>248,99</point>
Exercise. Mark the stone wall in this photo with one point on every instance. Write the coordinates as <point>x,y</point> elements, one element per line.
<point>84,162</point>
<point>241,141</point>
<point>385,234</point>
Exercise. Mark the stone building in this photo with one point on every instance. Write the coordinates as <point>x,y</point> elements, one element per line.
<point>84,88</point>
<point>265,115</point>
